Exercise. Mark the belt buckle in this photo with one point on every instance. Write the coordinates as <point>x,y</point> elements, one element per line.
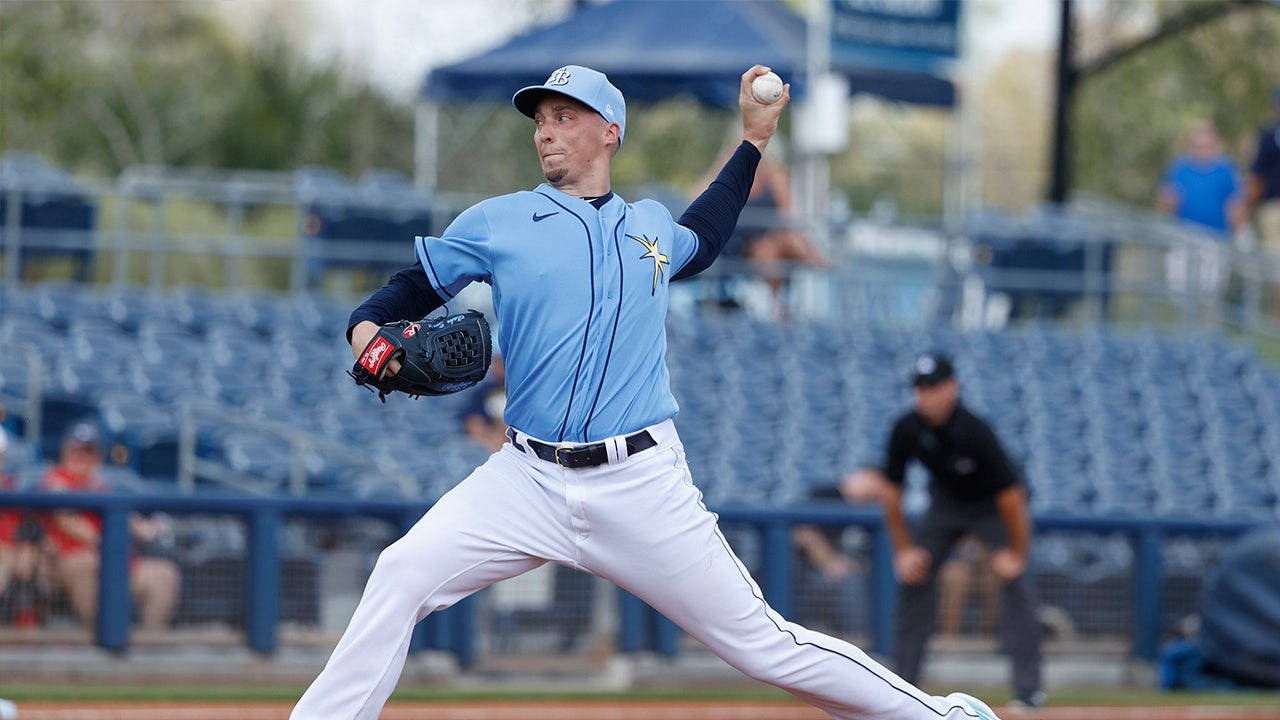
<point>557,456</point>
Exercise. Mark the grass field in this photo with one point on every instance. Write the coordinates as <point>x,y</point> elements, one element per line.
<point>68,702</point>
<point>194,693</point>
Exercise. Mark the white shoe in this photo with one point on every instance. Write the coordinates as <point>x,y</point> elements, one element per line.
<point>973,703</point>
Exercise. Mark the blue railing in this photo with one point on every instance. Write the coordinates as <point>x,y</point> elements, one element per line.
<point>640,628</point>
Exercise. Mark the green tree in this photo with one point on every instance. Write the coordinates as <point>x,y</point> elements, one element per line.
<point>488,148</point>
<point>100,86</point>
<point>896,154</point>
<point>1131,118</point>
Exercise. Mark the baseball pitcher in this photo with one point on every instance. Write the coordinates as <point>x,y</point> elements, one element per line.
<point>594,476</point>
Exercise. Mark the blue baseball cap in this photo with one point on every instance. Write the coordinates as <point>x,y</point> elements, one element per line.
<point>589,87</point>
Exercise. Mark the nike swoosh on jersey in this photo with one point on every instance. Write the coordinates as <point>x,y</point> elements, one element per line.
<point>540,218</point>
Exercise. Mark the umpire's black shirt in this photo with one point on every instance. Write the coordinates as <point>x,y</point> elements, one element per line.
<point>964,458</point>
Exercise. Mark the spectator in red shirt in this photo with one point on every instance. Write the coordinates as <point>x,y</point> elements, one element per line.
<point>76,535</point>
<point>22,562</point>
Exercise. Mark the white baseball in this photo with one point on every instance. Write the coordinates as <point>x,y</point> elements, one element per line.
<point>767,88</point>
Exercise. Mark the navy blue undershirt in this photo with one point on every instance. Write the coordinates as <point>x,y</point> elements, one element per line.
<point>712,216</point>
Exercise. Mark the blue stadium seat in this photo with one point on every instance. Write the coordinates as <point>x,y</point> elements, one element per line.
<point>1101,421</point>
<point>58,412</point>
<point>196,309</point>
<point>127,307</point>
<point>266,460</point>
<point>52,211</point>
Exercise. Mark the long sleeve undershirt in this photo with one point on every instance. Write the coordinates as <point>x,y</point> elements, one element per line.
<point>406,296</point>
<point>714,215</point>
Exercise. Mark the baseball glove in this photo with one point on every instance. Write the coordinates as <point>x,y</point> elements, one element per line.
<point>438,356</point>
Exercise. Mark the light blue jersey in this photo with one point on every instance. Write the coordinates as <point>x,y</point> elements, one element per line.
<point>580,296</point>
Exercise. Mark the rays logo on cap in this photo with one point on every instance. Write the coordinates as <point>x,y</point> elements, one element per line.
<point>926,365</point>
<point>559,77</point>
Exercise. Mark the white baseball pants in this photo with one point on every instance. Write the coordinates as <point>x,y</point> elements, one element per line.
<point>637,521</point>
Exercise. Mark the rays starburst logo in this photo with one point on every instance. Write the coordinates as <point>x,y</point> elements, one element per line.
<point>659,258</point>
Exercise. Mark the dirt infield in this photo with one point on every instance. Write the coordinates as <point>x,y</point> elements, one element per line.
<point>582,710</point>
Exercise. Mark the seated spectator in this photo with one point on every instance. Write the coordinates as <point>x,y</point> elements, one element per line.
<point>768,240</point>
<point>964,576</point>
<point>829,583</point>
<point>765,235</point>
<point>23,586</point>
<point>76,535</point>
<point>482,417</point>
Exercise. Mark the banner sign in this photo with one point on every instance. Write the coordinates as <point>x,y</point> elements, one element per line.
<point>899,34</point>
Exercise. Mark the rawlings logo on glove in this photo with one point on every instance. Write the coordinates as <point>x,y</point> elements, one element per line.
<point>375,356</point>
<point>437,356</point>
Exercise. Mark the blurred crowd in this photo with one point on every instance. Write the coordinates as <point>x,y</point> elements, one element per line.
<point>51,559</point>
<point>1202,187</point>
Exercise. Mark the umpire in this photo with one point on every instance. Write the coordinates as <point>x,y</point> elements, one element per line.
<point>974,488</point>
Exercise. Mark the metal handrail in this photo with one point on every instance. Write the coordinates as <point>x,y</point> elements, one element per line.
<point>265,515</point>
<point>29,406</point>
<point>192,467</point>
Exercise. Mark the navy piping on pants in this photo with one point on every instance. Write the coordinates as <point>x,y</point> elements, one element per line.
<point>794,639</point>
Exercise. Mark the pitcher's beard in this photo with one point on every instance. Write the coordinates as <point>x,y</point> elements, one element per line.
<point>555,177</point>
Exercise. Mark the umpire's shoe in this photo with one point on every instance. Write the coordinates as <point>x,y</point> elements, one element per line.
<point>973,703</point>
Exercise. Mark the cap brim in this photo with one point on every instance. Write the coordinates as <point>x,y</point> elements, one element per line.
<point>930,380</point>
<point>526,99</point>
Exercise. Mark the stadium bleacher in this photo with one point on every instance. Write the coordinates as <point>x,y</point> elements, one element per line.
<point>1103,423</point>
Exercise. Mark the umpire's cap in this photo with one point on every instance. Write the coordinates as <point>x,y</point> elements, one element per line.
<point>930,369</point>
<point>590,87</point>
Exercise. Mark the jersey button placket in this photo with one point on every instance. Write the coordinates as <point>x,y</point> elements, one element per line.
<point>606,240</point>
<point>597,337</point>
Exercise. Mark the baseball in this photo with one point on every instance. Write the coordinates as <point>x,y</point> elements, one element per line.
<point>767,88</point>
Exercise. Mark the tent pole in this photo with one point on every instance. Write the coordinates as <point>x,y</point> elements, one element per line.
<point>962,190</point>
<point>817,170</point>
<point>426,145</point>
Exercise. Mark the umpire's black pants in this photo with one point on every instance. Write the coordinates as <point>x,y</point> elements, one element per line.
<point>938,532</point>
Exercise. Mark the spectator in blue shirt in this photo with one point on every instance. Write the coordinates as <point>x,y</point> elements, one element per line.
<point>1200,187</point>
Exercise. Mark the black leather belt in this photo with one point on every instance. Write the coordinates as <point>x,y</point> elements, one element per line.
<point>581,456</point>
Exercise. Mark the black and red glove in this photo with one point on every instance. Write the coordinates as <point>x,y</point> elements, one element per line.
<point>438,356</point>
